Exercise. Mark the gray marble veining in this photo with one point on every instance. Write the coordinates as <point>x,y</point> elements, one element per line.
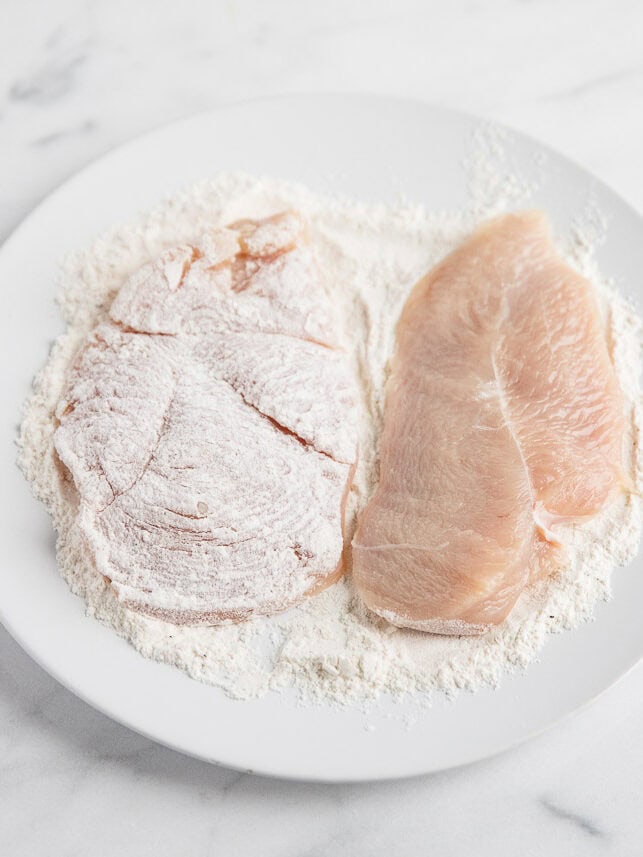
<point>48,83</point>
<point>580,821</point>
<point>85,127</point>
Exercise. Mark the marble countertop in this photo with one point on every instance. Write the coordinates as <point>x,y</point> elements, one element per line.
<point>80,76</point>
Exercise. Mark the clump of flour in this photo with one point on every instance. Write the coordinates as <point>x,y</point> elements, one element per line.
<point>330,649</point>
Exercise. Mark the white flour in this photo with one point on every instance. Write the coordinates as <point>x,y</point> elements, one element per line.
<point>330,649</point>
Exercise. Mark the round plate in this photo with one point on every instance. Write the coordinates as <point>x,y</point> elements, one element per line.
<point>368,147</point>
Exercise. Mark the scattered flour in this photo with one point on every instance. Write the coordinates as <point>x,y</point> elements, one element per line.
<point>330,649</point>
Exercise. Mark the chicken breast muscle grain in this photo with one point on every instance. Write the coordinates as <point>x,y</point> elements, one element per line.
<point>503,418</point>
<point>209,427</point>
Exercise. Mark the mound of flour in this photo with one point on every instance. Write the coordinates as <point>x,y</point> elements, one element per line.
<point>330,649</point>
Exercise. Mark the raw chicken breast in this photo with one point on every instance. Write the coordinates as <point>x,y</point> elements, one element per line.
<point>209,427</point>
<point>503,418</point>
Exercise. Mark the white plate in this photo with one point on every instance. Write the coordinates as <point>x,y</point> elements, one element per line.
<point>372,148</point>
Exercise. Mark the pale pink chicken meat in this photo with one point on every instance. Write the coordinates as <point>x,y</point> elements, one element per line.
<point>209,428</point>
<point>503,419</point>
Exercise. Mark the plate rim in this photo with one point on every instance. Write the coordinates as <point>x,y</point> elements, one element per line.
<point>78,177</point>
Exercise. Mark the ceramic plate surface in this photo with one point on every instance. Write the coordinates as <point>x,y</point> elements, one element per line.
<point>372,148</point>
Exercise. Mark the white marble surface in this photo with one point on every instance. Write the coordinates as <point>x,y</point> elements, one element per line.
<point>78,77</point>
